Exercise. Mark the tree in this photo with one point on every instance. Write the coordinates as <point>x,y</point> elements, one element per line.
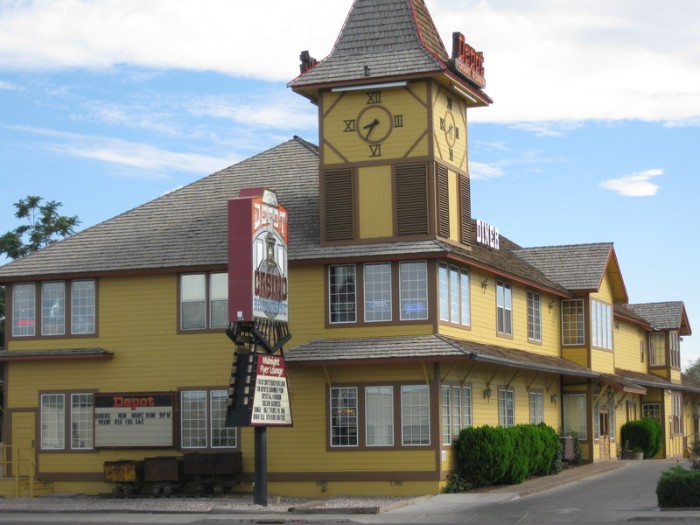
<point>44,226</point>
<point>693,369</point>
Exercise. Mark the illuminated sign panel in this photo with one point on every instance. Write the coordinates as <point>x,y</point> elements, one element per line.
<point>257,257</point>
<point>134,420</point>
<point>488,235</point>
<point>467,61</point>
<point>270,395</point>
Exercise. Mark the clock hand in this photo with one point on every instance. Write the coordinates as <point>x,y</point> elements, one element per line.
<point>371,126</point>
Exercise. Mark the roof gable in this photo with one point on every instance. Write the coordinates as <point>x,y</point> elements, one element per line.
<point>578,267</point>
<point>669,315</point>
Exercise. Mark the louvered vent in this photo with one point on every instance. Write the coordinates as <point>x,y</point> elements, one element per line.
<point>465,210</point>
<point>338,206</point>
<point>443,202</point>
<point>411,199</point>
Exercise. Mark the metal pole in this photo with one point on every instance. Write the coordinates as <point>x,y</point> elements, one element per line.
<point>260,493</point>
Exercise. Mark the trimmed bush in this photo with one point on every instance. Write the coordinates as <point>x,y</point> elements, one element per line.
<point>679,487</point>
<point>507,455</point>
<point>644,434</point>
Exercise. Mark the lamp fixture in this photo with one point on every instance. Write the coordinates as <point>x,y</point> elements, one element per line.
<point>551,304</point>
<point>463,93</point>
<point>553,399</point>
<point>484,284</point>
<point>369,87</point>
<point>487,392</point>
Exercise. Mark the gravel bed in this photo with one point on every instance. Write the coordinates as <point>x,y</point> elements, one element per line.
<point>223,504</point>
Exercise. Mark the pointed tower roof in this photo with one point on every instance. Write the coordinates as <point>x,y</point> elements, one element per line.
<point>381,40</point>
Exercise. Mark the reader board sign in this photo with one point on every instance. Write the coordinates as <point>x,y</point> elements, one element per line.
<point>134,420</point>
<point>271,395</point>
<point>257,254</point>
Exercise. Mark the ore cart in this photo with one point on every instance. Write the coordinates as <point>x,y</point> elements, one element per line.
<point>212,473</point>
<point>163,475</point>
<point>126,475</point>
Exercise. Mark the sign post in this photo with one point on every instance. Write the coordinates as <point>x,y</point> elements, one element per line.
<point>258,395</point>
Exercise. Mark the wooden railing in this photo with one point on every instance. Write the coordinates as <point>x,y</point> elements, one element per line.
<point>17,464</point>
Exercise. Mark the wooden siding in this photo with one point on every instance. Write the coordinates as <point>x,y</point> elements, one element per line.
<point>375,202</point>
<point>628,338</point>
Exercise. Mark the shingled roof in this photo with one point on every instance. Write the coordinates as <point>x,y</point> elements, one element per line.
<point>186,228</point>
<point>391,37</point>
<point>664,316</point>
<point>577,267</point>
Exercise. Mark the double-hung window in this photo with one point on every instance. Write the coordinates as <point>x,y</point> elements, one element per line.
<point>203,418</point>
<point>342,294</point>
<point>677,412</point>
<point>377,280</point>
<point>203,301</point>
<point>344,420</point>
<point>534,317</point>
<point>454,295</point>
<point>572,322</point>
<point>574,407</point>
<point>379,416</point>
<point>80,410</point>
<point>601,325</point>
<point>657,348</point>
<point>415,415</point>
<point>504,308</point>
<point>62,307</point>
<point>506,406</point>
<point>674,341</point>
<point>413,290</point>
<point>456,411</point>
<point>536,406</point>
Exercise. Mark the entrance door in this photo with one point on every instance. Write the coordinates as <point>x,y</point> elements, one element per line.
<point>24,434</point>
<point>604,440</point>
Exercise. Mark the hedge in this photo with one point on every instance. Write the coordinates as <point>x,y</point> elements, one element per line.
<point>644,434</point>
<point>679,487</point>
<point>507,455</point>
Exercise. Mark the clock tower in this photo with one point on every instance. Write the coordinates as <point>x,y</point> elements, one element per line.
<point>392,108</point>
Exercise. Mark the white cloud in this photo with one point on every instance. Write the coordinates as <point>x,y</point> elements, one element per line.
<point>480,170</point>
<point>545,60</point>
<point>150,159</point>
<point>8,86</point>
<point>634,185</point>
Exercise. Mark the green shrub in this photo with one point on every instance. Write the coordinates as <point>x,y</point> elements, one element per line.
<point>456,483</point>
<point>494,455</point>
<point>679,487</point>
<point>643,434</point>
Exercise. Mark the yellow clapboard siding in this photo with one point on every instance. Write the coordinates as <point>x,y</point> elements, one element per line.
<point>375,202</point>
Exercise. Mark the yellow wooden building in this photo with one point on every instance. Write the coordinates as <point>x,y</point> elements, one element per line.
<point>410,319</point>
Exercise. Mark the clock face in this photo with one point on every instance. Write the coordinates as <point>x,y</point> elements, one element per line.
<point>374,125</point>
<point>450,122</point>
<point>450,129</point>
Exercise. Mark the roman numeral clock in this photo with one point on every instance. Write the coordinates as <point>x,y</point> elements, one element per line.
<point>361,124</point>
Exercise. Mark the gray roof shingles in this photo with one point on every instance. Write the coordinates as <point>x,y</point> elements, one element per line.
<point>575,267</point>
<point>661,316</point>
<point>391,37</point>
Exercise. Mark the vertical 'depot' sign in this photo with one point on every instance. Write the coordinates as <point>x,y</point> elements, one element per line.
<point>258,310</point>
<point>257,257</point>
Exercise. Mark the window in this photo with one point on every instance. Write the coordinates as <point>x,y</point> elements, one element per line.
<point>23,310</point>
<point>342,298</point>
<point>377,279</point>
<point>53,308</point>
<point>203,301</point>
<point>657,348</point>
<point>79,433</point>
<point>53,418</point>
<point>202,420</point>
<point>601,325</point>
<point>81,421</point>
<point>504,308</point>
<point>572,322</point>
<point>642,350</point>
<point>344,417</point>
<point>454,295</point>
<point>574,406</point>
<point>534,317</point>
<point>536,406</point>
<point>83,307</point>
<point>415,415</point>
<point>677,412</point>
<point>506,407</point>
<point>652,410</point>
<point>456,411</point>
<point>413,290</point>
<point>379,416</point>
<point>675,347</point>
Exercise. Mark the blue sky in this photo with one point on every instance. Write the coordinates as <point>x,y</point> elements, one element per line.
<point>592,137</point>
